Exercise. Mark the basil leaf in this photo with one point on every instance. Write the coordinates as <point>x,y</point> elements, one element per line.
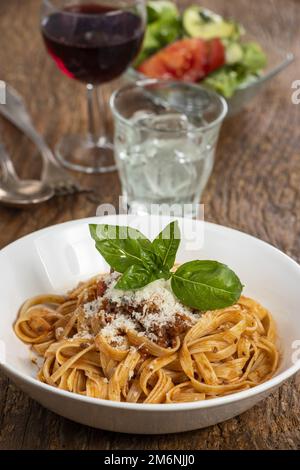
<point>120,246</point>
<point>150,259</point>
<point>135,277</point>
<point>206,285</point>
<point>166,244</point>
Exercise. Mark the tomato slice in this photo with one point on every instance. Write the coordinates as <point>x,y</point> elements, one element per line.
<point>182,60</point>
<point>154,67</point>
<point>216,55</point>
<point>188,60</point>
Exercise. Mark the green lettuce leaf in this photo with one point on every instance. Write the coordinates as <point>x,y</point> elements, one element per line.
<point>254,58</point>
<point>229,78</point>
<point>164,27</point>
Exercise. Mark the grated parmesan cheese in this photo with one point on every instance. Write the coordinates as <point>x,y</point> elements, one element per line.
<point>148,311</point>
<point>83,335</point>
<point>112,331</point>
<point>59,330</point>
<point>158,294</point>
<point>92,308</point>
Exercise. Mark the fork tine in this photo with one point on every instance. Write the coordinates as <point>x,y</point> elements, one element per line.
<point>59,189</point>
<point>77,188</point>
<point>67,185</point>
<point>67,189</point>
<point>82,189</point>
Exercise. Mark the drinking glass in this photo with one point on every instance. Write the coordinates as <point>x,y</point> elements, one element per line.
<point>94,42</point>
<point>165,140</point>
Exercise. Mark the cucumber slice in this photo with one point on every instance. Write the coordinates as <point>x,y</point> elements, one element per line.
<point>202,23</point>
<point>234,53</point>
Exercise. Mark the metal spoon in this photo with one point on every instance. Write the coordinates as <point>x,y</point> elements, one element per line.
<point>20,193</point>
<point>53,174</point>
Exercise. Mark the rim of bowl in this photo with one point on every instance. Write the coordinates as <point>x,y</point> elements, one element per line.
<point>50,4</point>
<point>144,82</point>
<point>213,402</point>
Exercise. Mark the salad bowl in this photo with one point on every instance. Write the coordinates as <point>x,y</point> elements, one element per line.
<point>252,57</point>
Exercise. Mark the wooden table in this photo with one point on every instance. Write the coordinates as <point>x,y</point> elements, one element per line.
<point>255,187</point>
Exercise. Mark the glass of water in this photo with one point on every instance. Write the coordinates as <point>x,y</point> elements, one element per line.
<point>165,140</point>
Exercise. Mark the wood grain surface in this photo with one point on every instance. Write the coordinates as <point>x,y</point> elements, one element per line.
<point>255,187</point>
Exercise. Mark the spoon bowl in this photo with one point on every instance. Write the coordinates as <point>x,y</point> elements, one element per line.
<point>20,193</point>
<point>24,193</point>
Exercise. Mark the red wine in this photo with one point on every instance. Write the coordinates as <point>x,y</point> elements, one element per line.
<point>91,46</point>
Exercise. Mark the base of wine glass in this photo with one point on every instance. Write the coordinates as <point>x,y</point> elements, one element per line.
<point>84,155</point>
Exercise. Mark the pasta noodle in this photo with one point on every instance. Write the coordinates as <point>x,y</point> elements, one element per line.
<point>205,355</point>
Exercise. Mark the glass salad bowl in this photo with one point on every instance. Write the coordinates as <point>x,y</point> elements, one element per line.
<point>261,28</point>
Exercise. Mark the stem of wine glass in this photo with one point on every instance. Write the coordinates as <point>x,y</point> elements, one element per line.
<point>96,123</point>
<point>91,116</point>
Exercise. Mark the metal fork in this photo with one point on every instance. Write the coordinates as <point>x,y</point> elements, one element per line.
<point>53,175</point>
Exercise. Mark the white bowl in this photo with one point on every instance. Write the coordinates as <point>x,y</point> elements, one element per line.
<point>57,258</point>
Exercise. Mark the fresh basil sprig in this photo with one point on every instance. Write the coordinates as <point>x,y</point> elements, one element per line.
<point>130,253</point>
<point>200,284</point>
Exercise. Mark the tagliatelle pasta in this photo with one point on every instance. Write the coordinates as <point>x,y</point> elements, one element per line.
<point>146,347</point>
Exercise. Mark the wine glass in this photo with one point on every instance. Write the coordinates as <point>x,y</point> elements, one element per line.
<point>92,41</point>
